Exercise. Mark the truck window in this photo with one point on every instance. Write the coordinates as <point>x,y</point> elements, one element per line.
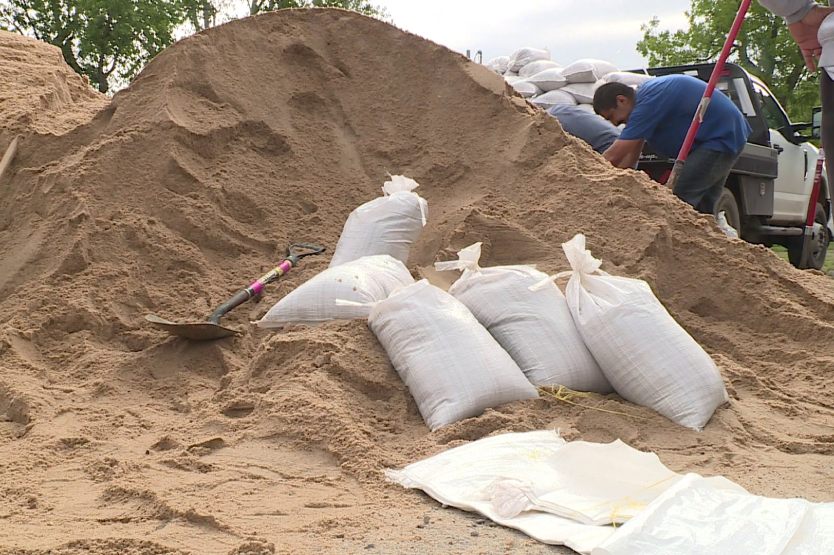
<point>776,118</point>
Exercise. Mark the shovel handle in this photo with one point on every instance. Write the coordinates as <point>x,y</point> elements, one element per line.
<point>257,286</point>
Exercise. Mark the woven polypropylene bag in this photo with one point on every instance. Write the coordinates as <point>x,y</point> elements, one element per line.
<point>645,354</point>
<point>588,70</point>
<point>450,363</point>
<point>548,80</point>
<point>535,327</point>
<point>387,225</point>
<point>366,280</point>
<point>534,68</point>
<point>526,55</point>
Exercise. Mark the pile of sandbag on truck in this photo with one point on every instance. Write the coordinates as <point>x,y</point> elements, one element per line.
<point>532,73</point>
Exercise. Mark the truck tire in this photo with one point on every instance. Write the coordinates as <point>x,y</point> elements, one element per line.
<point>727,204</point>
<point>819,245</point>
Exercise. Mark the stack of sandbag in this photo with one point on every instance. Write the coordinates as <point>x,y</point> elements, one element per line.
<point>363,281</point>
<point>624,77</point>
<point>582,76</point>
<point>387,225</point>
<point>646,355</point>
<point>451,364</point>
<point>535,327</point>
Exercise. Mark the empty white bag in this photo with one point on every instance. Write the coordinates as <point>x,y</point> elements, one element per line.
<point>549,79</point>
<point>535,327</point>
<point>452,366</point>
<point>645,354</point>
<point>588,70</point>
<point>524,56</point>
<point>536,67</point>
<point>366,280</point>
<point>386,225</point>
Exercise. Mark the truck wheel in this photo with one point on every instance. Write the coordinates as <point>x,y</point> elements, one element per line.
<point>727,204</point>
<point>819,243</point>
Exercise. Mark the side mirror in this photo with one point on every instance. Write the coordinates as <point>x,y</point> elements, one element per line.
<point>816,123</point>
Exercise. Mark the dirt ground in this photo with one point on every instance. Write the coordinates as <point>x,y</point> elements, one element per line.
<point>118,439</point>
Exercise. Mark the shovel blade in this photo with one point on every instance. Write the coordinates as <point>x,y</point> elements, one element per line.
<point>200,331</point>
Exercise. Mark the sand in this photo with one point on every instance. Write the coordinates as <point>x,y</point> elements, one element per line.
<point>231,144</point>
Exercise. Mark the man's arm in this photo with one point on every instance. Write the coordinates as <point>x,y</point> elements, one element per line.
<point>791,10</point>
<point>624,153</point>
<point>804,18</point>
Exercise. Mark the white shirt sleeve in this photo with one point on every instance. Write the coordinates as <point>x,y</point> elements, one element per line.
<point>791,10</point>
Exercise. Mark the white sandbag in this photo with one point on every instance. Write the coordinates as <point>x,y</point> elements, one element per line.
<point>524,56</point>
<point>535,327</point>
<point>513,79</point>
<point>365,280</point>
<point>386,225</point>
<point>510,74</point>
<point>499,64</point>
<point>450,363</point>
<point>588,70</point>
<point>536,67</point>
<point>550,99</point>
<point>549,79</point>
<point>624,77</point>
<point>645,354</point>
<point>526,89</point>
<point>693,517</point>
<point>582,92</point>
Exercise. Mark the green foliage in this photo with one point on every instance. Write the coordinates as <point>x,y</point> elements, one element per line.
<point>107,40</point>
<point>361,6</point>
<point>764,48</point>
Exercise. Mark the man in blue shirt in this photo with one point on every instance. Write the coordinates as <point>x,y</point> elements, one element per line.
<point>661,112</point>
<point>591,128</point>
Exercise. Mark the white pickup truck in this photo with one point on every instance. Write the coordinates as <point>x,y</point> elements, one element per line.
<point>767,194</point>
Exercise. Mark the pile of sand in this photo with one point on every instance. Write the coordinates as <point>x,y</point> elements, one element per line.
<point>265,131</point>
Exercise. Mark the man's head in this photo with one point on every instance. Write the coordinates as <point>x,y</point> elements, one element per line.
<point>614,102</point>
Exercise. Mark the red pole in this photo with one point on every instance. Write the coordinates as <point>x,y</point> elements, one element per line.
<point>704,104</point>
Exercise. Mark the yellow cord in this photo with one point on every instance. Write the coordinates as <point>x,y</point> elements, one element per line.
<point>565,395</point>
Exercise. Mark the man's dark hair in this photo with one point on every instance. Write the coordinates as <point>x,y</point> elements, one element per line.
<point>606,96</point>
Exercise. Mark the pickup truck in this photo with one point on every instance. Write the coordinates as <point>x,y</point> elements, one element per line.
<point>767,194</point>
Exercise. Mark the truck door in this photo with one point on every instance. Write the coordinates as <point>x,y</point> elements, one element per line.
<point>790,198</point>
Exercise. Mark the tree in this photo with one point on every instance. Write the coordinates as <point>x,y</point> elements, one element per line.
<point>764,48</point>
<point>361,6</point>
<point>107,40</point>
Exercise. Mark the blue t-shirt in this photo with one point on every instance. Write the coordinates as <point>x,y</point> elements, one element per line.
<point>591,128</point>
<point>663,111</point>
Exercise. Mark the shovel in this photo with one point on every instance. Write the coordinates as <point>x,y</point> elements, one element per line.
<point>211,329</point>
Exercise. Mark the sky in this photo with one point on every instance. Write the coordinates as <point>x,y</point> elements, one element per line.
<point>570,29</point>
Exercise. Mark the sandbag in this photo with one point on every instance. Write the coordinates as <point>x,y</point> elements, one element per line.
<point>624,77</point>
<point>386,225</point>
<point>451,364</point>
<point>365,280</point>
<point>647,356</point>
<point>588,70</point>
<point>550,99</point>
<point>526,89</point>
<point>513,79</point>
<point>582,92</point>
<point>538,66</point>
<point>549,79</point>
<point>524,56</point>
<point>499,64</point>
<point>535,327</point>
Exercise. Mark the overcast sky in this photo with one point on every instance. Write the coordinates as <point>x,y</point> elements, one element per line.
<point>570,29</point>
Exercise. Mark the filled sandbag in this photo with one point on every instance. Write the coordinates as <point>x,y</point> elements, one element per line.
<point>366,280</point>
<point>535,327</point>
<point>624,77</point>
<point>536,67</point>
<point>451,364</point>
<point>550,99</point>
<point>525,88</point>
<point>645,354</point>
<point>526,55</point>
<point>513,79</point>
<point>386,225</point>
<point>549,79</point>
<point>499,64</point>
<point>588,70</point>
<point>582,92</point>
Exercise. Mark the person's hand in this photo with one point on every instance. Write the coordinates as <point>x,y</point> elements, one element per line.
<point>805,31</point>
